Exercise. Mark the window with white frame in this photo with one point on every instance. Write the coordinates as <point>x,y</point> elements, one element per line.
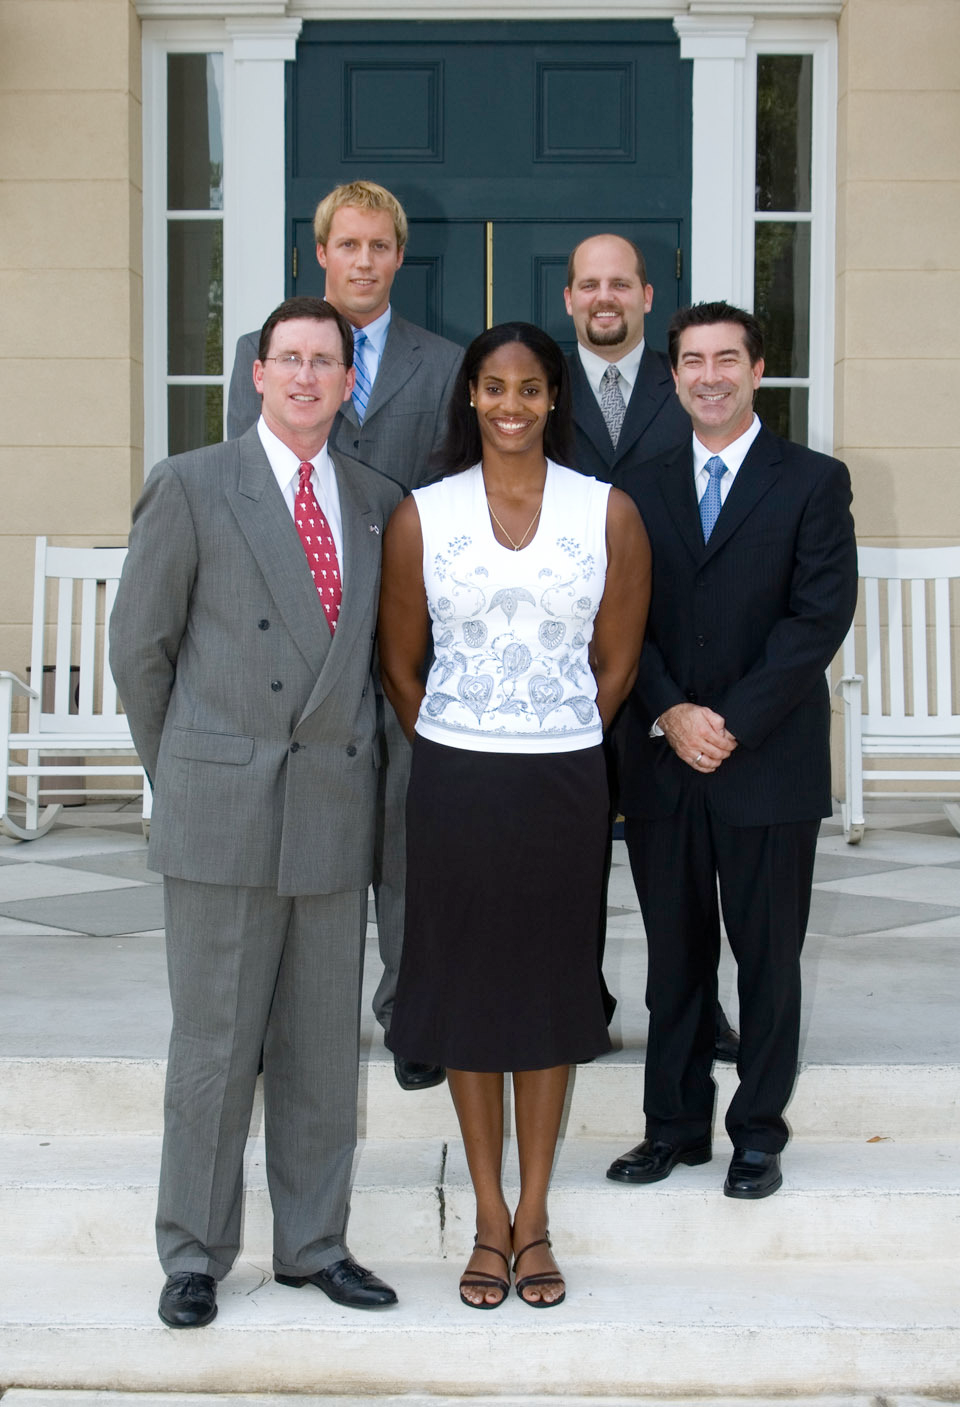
<point>789,262</point>
<point>194,250</point>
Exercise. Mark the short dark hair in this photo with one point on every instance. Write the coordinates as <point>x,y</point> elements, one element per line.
<point>604,234</point>
<point>461,447</point>
<point>319,310</point>
<point>704,315</point>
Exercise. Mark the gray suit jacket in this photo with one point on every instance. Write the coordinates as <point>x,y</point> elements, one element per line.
<point>257,728</point>
<point>655,420</point>
<point>406,414</point>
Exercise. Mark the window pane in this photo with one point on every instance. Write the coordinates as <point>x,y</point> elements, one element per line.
<point>781,295</point>
<point>783,409</point>
<point>194,417</point>
<point>195,297</point>
<point>784,147</point>
<point>194,132</point>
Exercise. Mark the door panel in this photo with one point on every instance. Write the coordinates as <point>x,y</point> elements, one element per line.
<point>551,131</point>
<point>530,271</point>
<point>440,284</point>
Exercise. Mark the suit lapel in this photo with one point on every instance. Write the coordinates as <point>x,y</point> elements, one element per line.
<point>755,477</point>
<point>401,357</point>
<point>651,388</point>
<point>363,526</point>
<point>677,488</point>
<point>587,415</point>
<point>255,499</point>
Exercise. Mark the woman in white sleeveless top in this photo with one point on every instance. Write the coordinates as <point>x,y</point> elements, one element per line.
<point>531,582</point>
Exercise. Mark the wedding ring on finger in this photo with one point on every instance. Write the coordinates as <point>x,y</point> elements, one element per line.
<point>698,757</point>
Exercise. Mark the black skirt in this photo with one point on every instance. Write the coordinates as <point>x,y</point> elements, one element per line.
<point>505,860</point>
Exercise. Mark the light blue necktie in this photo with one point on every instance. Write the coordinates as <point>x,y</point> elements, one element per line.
<point>710,502</point>
<point>362,386</point>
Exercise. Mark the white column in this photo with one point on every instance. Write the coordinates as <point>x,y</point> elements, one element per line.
<point>254,189</point>
<point>718,48</point>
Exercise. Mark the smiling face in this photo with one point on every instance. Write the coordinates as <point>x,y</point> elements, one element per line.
<point>606,297</point>
<point>361,258</point>
<point>300,406</point>
<point>512,399</point>
<point>716,382</point>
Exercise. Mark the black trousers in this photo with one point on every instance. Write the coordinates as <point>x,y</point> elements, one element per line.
<point>765,874</point>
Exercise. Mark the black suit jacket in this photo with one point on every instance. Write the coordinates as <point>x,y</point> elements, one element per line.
<point>746,624</point>
<point>655,420</point>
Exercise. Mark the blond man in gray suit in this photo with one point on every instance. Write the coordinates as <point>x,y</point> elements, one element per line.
<point>393,421</point>
<point>241,642</point>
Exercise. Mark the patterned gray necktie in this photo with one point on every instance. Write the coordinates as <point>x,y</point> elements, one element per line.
<point>710,502</point>
<point>611,403</point>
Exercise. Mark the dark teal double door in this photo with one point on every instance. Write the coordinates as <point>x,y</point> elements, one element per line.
<point>506,144</point>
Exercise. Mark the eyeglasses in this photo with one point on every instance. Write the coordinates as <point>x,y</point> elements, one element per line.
<point>292,362</point>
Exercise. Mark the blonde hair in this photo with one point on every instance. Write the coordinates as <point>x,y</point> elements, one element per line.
<point>362,195</point>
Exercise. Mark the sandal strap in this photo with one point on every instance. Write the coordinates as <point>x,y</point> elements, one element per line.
<point>548,1277</point>
<point>479,1281</point>
<point>479,1246</point>
<point>543,1241</point>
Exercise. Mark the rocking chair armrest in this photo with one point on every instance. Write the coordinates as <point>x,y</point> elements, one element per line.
<point>17,685</point>
<point>849,686</point>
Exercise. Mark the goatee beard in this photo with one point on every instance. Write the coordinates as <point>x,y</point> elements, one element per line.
<point>612,337</point>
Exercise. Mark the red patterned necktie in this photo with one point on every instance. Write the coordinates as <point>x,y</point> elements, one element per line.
<point>319,546</point>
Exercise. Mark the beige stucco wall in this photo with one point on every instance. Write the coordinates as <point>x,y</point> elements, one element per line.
<point>898,267</point>
<point>70,285</point>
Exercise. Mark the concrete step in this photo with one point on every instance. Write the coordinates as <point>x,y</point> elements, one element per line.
<point>95,1096</point>
<point>66,1397</point>
<point>629,1330</point>
<point>412,1200</point>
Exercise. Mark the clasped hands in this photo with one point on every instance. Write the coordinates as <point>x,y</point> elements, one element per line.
<point>697,735</point>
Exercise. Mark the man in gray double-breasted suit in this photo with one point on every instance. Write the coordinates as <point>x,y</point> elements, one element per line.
<point>395,424</point>
<point>255,718</point>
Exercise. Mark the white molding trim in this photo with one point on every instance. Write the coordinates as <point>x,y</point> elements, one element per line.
<point>255,47</point>
<point>357,10</point>
<point>718,48</point>
<point>255,153</point>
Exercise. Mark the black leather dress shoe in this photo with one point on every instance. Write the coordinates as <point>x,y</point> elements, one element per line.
<point>726,1042</point>
<point>753,1174</point>
<point>652,1161</point>
<point>188,1300</point>
<point>346,1283</point>
<point>411,1074</point>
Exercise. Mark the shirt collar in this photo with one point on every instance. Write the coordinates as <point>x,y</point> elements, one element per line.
<point>377,332</point>
<point>733,454</point>
<point>284,463</point>
<point>594,366</point>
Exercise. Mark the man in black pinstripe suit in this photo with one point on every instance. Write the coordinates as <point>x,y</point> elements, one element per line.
<point>726,772</point>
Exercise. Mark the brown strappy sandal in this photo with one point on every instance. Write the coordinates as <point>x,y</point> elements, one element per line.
<point>547,1277</point>
<point>480,1280</point>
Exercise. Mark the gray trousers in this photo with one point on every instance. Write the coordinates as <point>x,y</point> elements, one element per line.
<point>250,970</point>
<point>390,862</point>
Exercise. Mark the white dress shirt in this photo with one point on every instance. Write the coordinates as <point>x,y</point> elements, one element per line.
<point>372,352</point>
<point>733,456</point>
<point>629,368</point>
<point>286,469</point>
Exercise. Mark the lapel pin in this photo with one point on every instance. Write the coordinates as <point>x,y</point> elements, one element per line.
<point>375,528</point>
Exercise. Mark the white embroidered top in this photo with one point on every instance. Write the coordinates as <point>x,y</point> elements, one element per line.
<point>511,630</point>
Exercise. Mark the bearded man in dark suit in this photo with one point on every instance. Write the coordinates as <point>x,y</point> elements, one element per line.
<point>726,769</point>
<point>625,410</point>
